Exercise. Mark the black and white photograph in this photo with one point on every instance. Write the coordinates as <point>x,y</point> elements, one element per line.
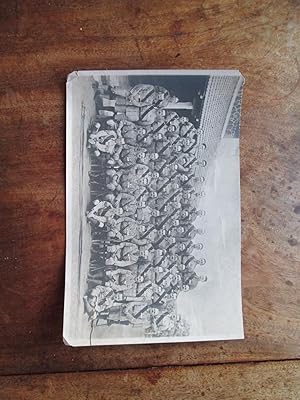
<point>153,207</point>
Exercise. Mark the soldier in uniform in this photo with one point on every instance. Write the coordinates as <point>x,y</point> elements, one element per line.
<point>187,129</point>
<point>168,170</point>
<point>125,157</point>
<point>191,281</point>
<point>146,214</point>
<point>190,198</point>
<point>185,232</point>
<point>105,141</point>
<point>146,287</point>
<point>123,200</point>
<point>189,145</point>
<point>172,118</point>
<point>143,116</point>
<point>124,254</point>
<point>131,231</point>
<point>103,211</point>
<point>164,323</point>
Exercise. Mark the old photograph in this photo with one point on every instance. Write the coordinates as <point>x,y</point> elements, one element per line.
<point>153,207</point>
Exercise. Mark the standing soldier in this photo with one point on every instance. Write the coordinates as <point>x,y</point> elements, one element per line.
<point>123,200</point>
<point>145,95</point>
<point>103,211</point>
<point>191,281</point>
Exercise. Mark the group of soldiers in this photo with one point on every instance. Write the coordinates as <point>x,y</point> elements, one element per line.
<point>145,189</point>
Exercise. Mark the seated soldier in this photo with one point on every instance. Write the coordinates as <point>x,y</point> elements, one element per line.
<point>105,141</point>
<point>190,263</point>
<point>125,156</point>
<point>94,129</point>
<point>164,323</point>
<point>122,180</point>
<point>166,296</point>
<point>191,280</point>
<point>171,117</point>
<point>185,232</point>
<point>145,287</point>
<point>135,137</point>
<point>189,145</point>
<point>97,300</point>
<point>129,131</point>
<point>143,116</point>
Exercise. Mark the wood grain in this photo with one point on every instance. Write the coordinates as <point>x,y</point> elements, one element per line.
<point>260,381</point>
<point>40,43</point>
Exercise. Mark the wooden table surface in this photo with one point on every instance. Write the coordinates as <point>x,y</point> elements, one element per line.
<point>40,43</point>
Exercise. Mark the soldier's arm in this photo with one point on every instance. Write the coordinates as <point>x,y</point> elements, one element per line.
<point>154,326</point>
<point>118,247</point>
<point>98,135</point>
<point>105,203</point>
<point>126,263</point>
<point>100,205</point>
<point>111,186</point>
<point>143,268</point>
<point>155,287</point>
<point>145,122</point>
<point>130,248</point>
<point>120,270</point>
<point>140,90</point>
<point>129,123</point>
<point>89,310</point>
<point>101,147</point>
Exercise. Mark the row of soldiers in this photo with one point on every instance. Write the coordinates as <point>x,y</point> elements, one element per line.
<point>146,187</point>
